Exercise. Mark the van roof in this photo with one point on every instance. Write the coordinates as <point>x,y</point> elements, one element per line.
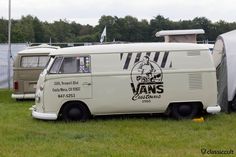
<point>130,47</point>
<point>42,49</point>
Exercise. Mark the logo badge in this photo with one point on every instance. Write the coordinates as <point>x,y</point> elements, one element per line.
<point>146,80</point>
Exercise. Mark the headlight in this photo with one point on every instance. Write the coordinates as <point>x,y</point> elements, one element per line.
<point>41,87</point>
<point>37,98</point>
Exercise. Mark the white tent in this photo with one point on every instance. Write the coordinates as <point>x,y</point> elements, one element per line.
<point>224,55</point>
<point>229,41</point>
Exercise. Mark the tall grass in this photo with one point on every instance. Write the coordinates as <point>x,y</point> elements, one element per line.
<point>23,136</point>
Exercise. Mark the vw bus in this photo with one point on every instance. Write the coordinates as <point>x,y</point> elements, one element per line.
<point>27,66</point>
<point>178,79</point>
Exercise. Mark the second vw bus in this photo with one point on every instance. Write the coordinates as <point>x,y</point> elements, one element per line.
<point>28,64</point>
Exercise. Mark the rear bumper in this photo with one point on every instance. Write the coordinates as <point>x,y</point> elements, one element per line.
<point>43,116</point>
<point>213,109</point>
<point>23,96</point>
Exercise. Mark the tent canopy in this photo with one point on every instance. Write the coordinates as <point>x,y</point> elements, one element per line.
<point>229,48</point>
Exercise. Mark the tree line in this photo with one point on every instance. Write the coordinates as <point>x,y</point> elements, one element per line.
<point>30,29</point>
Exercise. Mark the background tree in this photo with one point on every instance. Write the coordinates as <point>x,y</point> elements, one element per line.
<point>3,30</point>
<point>128,28</point>
<point>160,23</point>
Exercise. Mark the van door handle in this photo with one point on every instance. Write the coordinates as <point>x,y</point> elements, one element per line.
<point>87,84</point>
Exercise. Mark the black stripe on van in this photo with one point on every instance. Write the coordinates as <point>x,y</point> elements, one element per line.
<point>127,61</point>
<point>121,56</point>
<point>170,65</point>
<point>148,54</point>
<point>156,56</point>
<point>163,63</point>
<point>137,57</point>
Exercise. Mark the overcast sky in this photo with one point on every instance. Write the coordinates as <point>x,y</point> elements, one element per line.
<point>89,11</point>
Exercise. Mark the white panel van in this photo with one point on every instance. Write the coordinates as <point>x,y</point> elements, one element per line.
<point>174,78</point>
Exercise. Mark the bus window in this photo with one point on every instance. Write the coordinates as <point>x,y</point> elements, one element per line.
<point>34,61</point>
<point>29,62</point>
<point>42,61</point>
<point>72,65</point>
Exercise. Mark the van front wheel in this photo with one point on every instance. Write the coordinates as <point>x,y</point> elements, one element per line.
<point>75,112</point>
<point>185,110</point>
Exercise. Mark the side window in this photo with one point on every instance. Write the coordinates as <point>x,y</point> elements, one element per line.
<point>34,61</point>
<point>56,65</point>
<point>84,64</point>
<point>72,65</point>
<point>69,65</point>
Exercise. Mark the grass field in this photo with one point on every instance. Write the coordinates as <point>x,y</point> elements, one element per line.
<point>23,136</point>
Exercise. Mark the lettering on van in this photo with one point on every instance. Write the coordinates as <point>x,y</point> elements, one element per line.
<point>66,89</point>
<point>146,80</point>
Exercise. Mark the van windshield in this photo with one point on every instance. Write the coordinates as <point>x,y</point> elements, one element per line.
<point>34,61</point>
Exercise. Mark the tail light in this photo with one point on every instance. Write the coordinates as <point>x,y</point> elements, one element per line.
<point>16,85</point>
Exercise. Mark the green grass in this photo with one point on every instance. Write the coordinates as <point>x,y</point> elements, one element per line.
<point>23,136</point>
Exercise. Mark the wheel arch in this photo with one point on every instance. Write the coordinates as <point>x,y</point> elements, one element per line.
<point>73,101</point>
<point>168,110</point>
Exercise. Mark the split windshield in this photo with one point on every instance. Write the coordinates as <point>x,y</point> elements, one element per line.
<point>34,61</point>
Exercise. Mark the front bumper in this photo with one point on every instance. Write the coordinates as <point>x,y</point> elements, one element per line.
<point>213,109</point>
<point>23,96</point>
<point>43,116</point>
